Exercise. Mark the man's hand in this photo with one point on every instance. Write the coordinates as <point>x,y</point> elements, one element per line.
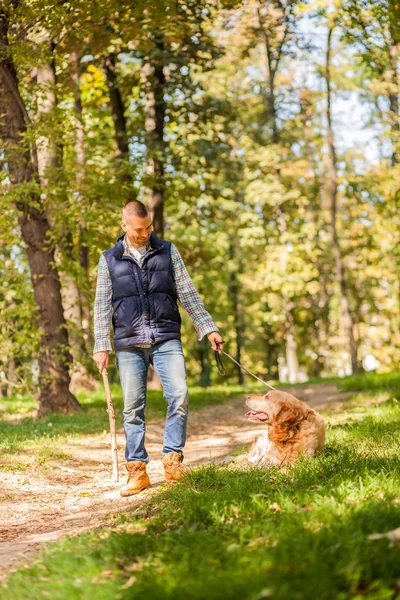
<point>214,337</point>
<point>101,360</point>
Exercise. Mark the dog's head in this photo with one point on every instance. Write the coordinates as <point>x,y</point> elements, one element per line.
<point>266,407</point>
<point>279,410</point>
<point>260,408</point>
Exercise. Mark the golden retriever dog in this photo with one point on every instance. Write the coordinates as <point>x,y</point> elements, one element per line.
<point>293,428</point>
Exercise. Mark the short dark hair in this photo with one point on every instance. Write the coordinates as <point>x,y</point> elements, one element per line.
<point>135,208</point>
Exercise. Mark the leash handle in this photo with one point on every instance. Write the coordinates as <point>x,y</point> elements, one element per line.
<point>220,366</point>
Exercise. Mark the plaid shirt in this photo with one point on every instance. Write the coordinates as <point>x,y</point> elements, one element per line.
<point>187,295</point>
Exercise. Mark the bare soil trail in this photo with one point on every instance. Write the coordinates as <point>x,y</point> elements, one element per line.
<point>76,494</point>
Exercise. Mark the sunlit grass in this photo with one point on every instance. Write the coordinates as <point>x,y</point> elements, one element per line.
<point>21,433</point>
<point>253,533</point>
<point>371,381</point>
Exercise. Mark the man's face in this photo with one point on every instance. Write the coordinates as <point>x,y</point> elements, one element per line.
<point>138,230</point>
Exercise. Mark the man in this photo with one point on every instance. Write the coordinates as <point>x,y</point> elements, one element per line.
<point>139,283</point>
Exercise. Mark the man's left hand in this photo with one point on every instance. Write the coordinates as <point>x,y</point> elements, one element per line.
<point>214,337</point>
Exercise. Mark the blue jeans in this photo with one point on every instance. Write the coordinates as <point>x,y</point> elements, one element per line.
<point>169,363</point>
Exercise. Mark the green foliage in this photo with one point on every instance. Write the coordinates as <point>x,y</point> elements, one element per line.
<point>244,144</point>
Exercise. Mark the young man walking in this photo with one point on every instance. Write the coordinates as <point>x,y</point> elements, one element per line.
<point>139,283</point>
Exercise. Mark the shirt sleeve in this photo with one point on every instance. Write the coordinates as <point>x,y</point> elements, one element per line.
<point>189,297</point>
<point>102,308</point>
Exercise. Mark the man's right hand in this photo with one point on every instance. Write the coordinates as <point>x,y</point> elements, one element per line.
<point>101,360</point>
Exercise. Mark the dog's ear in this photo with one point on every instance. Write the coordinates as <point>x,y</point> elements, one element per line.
<point>285,424</point>
<point>289,416</point>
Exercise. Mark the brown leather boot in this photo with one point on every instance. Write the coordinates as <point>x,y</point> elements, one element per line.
<point>173,468</point>
<point>138,479</point>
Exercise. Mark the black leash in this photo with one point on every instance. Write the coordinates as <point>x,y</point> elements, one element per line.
<point>221,369</point>
<point>220,366</point>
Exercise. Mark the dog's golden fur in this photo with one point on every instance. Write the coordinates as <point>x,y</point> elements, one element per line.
<point>293,428</point>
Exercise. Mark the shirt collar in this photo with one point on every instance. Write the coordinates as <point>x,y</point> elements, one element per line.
<point>126,247</point>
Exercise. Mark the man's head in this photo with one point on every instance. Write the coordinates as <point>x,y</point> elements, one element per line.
<point>137,223</point>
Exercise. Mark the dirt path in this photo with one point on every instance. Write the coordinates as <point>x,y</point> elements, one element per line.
<point>77,494</point>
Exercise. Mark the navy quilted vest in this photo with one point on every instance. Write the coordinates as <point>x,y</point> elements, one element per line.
<point>144,298</point>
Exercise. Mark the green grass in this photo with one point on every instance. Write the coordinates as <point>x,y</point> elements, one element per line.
<point>300,533</point>
<point>28,433</point>
<point>371,381</point>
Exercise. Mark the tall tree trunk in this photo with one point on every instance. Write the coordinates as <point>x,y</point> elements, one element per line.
<point>273,56</point>
<point>80,178</point>
<point>321,321</point>
<point>292,361</point>
<point>270,345</point>
<point>394,16</point>
<point>333,185</point>
<point>83,291</point>
<point>204,346</point>
<point>233,286</point>
<point>154,82</point>
<point>117,108</point>
<point>54,359</point>
<point>49,155</point>
<point>271,90</point>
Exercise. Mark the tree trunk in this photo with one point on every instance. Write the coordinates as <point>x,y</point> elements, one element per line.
<point>154,81</point>
<point>117,108</point>
<point>80,178</point>
<point>394,105</point>
<point>12,377</point>
<point>233,286</point>
<point>49,155</point>
<point>320,322</point>
<point>270,346</point>
<point>84,293</point>
<point>271,90</point>
<point>291,354</point>
<point>333,185</point>
<point>292,361</point>
<point>54,359</point>
<point>273,57</point>
<point>394,19</point>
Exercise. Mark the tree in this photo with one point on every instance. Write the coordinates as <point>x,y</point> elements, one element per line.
<point>373,28</point>
<point>275,21</point>
<point>54,359</point>
<point>333,186</point>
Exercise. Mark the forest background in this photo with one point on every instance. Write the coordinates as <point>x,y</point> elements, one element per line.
<point>263,136</point>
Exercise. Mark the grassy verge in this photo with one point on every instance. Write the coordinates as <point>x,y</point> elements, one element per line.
<point>371,381</point>
<point>24,438</point>
<point>251,534</point>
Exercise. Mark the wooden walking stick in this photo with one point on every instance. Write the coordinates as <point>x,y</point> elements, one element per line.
<point>111,416</point>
